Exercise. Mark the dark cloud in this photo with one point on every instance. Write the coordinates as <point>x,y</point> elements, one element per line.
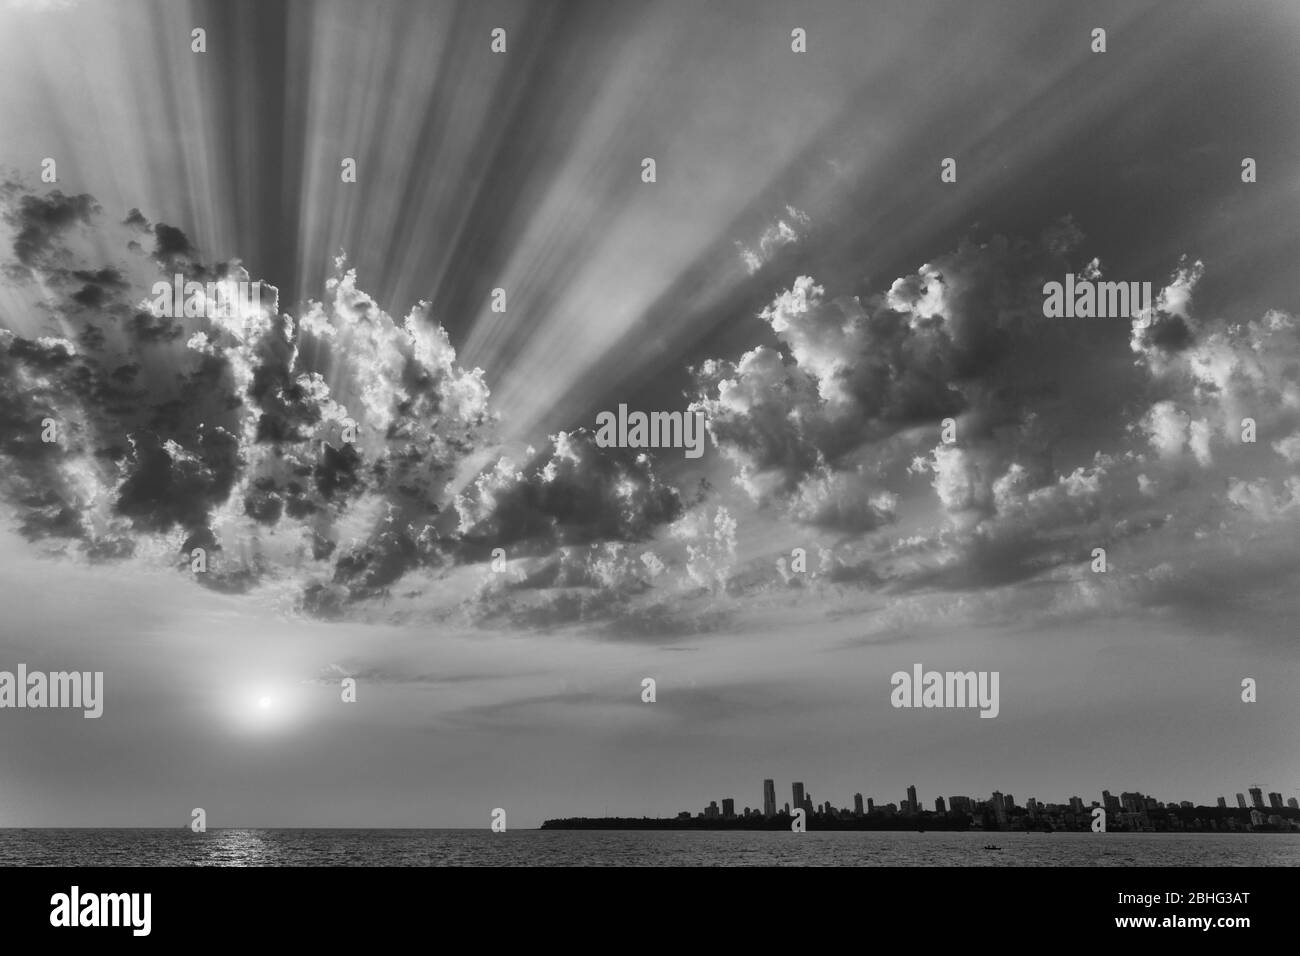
<point>320,447</point>
<point>40,220</point>
<point>577,495</point>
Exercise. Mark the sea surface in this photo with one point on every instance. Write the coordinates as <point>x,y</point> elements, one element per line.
<point>180,847</point>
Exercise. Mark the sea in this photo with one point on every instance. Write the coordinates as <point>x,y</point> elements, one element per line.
<point>328,847</point>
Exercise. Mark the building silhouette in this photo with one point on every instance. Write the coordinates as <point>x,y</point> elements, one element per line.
<point>912,805</point>
<point>769,798</point>
<point>1275,801</point>
<point>1241,801</point>
<point>857,804</point>
<point>798,795</point>
<point>1257,798</point>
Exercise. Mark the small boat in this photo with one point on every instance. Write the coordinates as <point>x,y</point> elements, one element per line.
<point>990,846</point>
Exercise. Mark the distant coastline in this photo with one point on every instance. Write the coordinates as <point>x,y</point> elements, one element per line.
<point>779,822</point>
<point>1182,820</point>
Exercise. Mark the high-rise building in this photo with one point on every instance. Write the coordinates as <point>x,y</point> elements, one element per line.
<point>912,805</point>
<point>1009,802</point>
<point>1076,804</point>
<point>1275,801</point>
<point>711,811</point>
<point>769,798</point>
<point>871,805</point>
<point>798,795</point>
<point>1241,801</point>
<point>728,807</point>
<point>1293,803</point>
<point>998,804</point>
<point>1109,803</point>
<point>1223,802</point>
<point>1256,798</point>
<point>938,805</point>
<point>857,804</point>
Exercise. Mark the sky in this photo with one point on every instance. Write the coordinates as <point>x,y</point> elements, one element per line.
<point>393,482</point>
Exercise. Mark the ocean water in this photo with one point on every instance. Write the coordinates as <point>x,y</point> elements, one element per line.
<point>180,847</point>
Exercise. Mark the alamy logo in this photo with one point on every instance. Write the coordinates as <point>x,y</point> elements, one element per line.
<point>655,430</point>
<point>949,689</point>
<point>224,299</point>
<point>102,909</point>
<point>1085,299</point>
<point>75,689</point>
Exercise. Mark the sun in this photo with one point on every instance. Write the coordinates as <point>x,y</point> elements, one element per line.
<point>263,707</point>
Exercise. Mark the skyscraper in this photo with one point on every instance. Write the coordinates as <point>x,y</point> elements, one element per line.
<point>857,804</point>
<point>999,806</point>
<point>1257,798</point>
<point>938,805</point>
<point>1293,803</point>
<point>769,798</point>
<point>912,805</point>
<point>1275,801</point>
<point>1223,802</point>
<point>728,807</point>
<point>798,795</point>
<point>1241,801</point>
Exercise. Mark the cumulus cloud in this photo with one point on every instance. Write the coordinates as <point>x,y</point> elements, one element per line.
<point>323,448</point>
<point>785,231</point>
<point>814,424</point>
<point>831,427</point>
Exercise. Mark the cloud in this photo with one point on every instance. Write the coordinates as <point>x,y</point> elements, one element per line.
<point>577,494</point>
<point>332,450</point>
<point>1060,443</point>
<point>785,231</point>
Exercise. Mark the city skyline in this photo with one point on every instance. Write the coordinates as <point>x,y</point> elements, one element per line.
<point>800,792</point>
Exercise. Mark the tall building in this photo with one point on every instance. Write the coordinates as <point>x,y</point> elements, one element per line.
<point>857,804</point>
<point>798,795</point>
<point>1275,801</point>
<point>1241,801</point>
<point>1293,803</point>
<point>871,805</point>
<point>938,805</point>
<point>1109,803</point>
<point>1076,804</point>
<point>769,798</point>
<point>998,804</point>
<point>1223,802</point>
<point>728,807</point>
<point>912,805</point>
<point>711,811</point>
<point>1256,798</point>
<point>1009,802</point>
